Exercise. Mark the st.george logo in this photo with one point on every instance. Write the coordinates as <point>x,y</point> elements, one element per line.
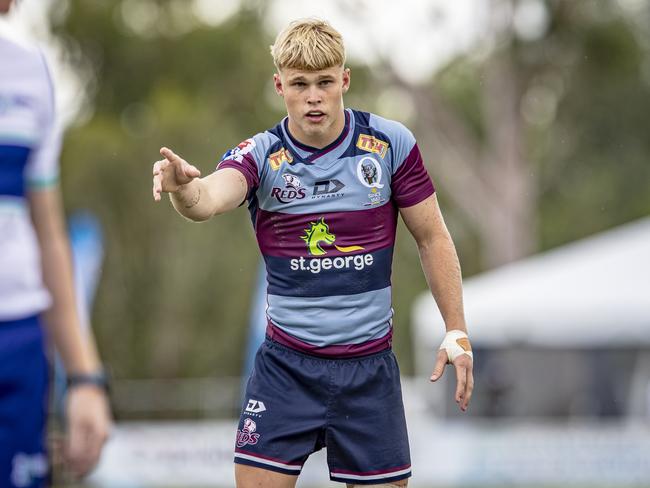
<point>319,232</point>
<point>247,434</point>
<point>318,235</point>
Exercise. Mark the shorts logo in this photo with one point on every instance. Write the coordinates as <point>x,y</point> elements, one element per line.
<point>255,406</point>
<point>247,434</point>
<point>28,468</point>
<point>277,158</point>
<point>320,232</point>
<point>372,144</point>
<point>238,153</point>
<point>292,189</point>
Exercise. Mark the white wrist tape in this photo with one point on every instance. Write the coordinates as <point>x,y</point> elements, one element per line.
<point>455,344</point>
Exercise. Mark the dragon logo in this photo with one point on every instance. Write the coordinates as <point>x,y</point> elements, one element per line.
<point>319,232</point>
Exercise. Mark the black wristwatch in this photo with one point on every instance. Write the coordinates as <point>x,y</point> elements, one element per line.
<point>98,379</point>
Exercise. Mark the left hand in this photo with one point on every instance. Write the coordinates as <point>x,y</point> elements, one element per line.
<point>88,425</point>
<point>464,376</point>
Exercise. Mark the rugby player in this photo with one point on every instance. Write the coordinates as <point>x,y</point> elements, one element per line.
<point>36,287</point>
<point>324,188</point>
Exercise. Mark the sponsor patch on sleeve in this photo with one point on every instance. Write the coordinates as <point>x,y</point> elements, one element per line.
<point>237,153</point>
<point>372,144</point>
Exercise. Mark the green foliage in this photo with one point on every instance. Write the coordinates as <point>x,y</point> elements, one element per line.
<point>594,162</point>
<point>174,296</point>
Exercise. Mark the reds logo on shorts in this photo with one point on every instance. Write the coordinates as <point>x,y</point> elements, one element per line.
<point>247,435</point>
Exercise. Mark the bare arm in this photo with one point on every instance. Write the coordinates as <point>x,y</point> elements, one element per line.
<point>87,406</point>
<point>442,272</point>
<point>196,198</point>
<point>439,260</point>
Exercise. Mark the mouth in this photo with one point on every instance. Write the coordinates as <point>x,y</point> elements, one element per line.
<point>315,116</point>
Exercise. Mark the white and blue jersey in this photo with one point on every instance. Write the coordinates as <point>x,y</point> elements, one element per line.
<point>325,221</point>
<point>29,150</point>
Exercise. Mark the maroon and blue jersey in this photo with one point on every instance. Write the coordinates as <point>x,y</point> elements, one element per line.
<point>325,221</point>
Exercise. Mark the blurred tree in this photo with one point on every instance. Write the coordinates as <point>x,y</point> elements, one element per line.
<point>174,297</point>
<point>529,139</point>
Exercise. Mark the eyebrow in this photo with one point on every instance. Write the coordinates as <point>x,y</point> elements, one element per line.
<point>302,78</point>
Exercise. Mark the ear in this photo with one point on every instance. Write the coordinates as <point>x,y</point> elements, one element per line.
<point>277,83</point>
<point>346,80</point>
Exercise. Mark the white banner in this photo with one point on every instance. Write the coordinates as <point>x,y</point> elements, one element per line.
<point>485,453</point>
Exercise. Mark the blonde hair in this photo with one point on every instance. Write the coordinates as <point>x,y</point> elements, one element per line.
<point>308,44</point>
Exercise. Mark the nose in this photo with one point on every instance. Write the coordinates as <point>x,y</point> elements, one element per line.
<point>313,95</point>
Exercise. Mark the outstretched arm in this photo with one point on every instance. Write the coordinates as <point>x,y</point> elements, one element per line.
<point>442,272</point>
<point>193,197</point>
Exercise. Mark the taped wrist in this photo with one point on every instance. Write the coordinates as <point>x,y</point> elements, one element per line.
<point>456,343</point>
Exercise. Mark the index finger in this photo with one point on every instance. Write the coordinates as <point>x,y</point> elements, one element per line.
<point>169,154</point>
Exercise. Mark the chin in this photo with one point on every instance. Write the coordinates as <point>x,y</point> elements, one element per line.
<point>312,129</point>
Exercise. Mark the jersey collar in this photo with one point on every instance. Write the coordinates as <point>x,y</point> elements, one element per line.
<point>328,154</point>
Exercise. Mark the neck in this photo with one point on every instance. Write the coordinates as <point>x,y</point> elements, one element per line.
<point>319,140</point>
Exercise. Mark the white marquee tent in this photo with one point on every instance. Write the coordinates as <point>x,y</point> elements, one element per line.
<point>591,293</point>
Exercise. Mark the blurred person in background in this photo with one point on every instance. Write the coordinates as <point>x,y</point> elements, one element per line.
<point>37,298</point>
<point>324,188</point>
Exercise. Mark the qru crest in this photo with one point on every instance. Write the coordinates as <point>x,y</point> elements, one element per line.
<point>369,172</point>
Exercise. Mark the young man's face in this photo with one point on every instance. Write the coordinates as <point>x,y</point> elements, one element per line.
<point>314,101</point>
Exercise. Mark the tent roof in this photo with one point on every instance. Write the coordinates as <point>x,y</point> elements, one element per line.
<point>593,292</point>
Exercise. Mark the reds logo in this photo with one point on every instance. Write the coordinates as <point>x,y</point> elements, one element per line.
<point>291,181</point>
<point>293,189</point>
<point>247,435</point>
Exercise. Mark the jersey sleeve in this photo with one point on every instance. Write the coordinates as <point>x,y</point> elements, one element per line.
<point>410,182</point>
<point>43,165</point>
<point>242,158</point>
